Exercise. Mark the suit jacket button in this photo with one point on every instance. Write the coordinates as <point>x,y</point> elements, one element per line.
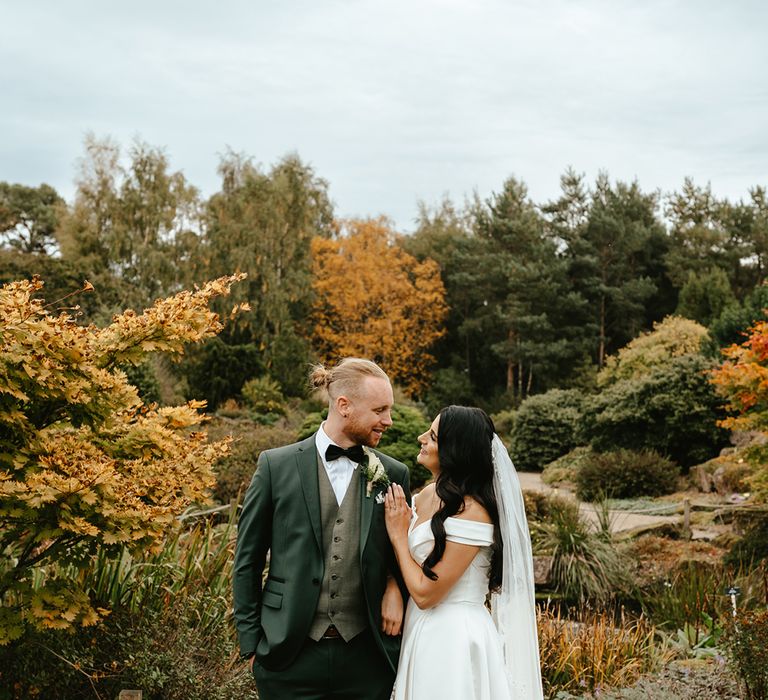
<point>315,581</point>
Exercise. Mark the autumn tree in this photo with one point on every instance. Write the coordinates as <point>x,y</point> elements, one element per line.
<point>84,465</point>
<point>374,300</point>
<point>742,381</point>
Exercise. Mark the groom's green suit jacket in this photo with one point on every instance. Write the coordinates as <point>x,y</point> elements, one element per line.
<point>281,516</point>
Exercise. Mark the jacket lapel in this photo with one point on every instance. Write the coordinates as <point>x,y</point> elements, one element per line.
<point>306,462</point>
<point>366,512</point>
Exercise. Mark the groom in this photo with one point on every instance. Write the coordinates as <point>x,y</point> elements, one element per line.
<point>325,622</point>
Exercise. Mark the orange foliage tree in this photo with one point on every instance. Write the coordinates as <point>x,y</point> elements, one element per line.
<point>742,380</point>
<point>374,300</point>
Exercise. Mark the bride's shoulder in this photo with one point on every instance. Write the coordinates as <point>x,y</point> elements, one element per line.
<point>425,494</point>
<point>474,511</point>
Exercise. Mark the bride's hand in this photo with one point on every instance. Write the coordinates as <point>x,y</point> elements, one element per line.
<point>397,513</point>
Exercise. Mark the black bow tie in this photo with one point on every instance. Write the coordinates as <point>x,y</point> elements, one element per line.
<point>355,453</point>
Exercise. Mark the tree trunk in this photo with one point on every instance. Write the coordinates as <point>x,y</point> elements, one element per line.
<point>601,349</point>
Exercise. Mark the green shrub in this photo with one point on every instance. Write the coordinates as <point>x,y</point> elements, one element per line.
<point>747,649</point>
<point>735,320</point>
<point>504,422</point>
<point>216,371</point>
<point>752,547</point>
<point>263,395</point>
<point>626,474</point>
<point>546,427</point>
<point>673,409</point>
<point>449,386</point>
<point>586,566</point>
<point>169,632</point>
<point>566,468</point>
<point>235,471</point>
<point>673,337</point>
<point>400,441</point>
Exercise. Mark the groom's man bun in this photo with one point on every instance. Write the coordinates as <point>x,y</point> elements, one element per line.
<point>345,378</point>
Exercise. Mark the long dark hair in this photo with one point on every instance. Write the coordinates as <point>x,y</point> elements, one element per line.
<point>466,469</point>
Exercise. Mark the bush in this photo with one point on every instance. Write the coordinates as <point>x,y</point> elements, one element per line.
<point>217,371</point>
<point>449,386</point>
<point>672,409</point>
<point>85,464</point>
<point>673,337</point>
<point>504,422</point>
<point>546,427</point>
<point>747,649</point>
<point>566,468</point>
<point>263,395</point>
<point>235,471</point>
<point>586,566</point>
<point>626,474</point>
<point>735,320</point>
<point>169,632</point>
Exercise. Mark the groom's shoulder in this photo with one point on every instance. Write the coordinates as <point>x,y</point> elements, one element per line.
<point>391,464</point>
<point>283,452</point>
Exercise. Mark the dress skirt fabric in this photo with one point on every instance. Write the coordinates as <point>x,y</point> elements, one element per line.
<point>452,651</point>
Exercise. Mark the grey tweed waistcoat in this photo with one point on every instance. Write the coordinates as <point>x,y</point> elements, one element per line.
<point>342,600</point>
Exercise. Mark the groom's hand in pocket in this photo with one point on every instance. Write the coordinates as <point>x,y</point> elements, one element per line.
<point>392,609</point>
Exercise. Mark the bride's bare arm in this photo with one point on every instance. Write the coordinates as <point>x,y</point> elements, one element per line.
<point>425,592</point>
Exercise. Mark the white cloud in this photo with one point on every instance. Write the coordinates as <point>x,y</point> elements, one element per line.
<point>395,101</point>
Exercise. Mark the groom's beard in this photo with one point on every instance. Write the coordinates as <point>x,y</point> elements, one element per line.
<point>362,435</point>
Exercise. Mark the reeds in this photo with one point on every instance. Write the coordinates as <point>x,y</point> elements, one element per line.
<point>593,650</point>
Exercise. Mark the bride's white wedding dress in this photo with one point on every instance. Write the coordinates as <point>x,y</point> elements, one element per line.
<point>452,651</point>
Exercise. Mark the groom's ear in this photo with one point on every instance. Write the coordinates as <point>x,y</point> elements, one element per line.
<point>343,405</point>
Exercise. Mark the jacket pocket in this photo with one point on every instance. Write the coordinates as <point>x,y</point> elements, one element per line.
<point>272,599</point>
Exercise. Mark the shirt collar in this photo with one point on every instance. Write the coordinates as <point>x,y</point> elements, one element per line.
<point>322,441</point>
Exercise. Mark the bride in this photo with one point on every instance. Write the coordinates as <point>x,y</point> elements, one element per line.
<point>466,535</point>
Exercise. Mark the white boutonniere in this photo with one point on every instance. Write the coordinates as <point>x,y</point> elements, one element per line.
<point>375,474</point>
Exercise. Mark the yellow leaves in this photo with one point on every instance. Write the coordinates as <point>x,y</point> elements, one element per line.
<point>374,300</point>
<point>58,605</point>
<point>88,460</point>
<point>80,526</point>
<point>10,626</point>
<point>167,326</point>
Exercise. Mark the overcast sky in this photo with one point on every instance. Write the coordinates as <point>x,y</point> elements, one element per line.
<point>395,101</point>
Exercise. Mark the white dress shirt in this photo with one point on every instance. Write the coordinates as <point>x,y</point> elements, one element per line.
<point>339,470</point>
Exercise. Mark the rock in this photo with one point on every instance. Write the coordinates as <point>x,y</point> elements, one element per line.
<point>701,478</point>
<point>718,481</point>
<point>542,568</point>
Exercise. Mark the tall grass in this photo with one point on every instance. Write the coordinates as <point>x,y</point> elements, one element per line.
<point>169,630</point>
<point>591,650</point>
<point>694,595</point>
<point>586,565</point>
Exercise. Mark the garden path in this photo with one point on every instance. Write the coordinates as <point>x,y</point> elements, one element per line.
<point>621,520</point>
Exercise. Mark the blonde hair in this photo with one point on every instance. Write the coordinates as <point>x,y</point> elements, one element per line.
<point>345,378</point>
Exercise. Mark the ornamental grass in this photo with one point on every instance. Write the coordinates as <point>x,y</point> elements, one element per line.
<point>593,650</point>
